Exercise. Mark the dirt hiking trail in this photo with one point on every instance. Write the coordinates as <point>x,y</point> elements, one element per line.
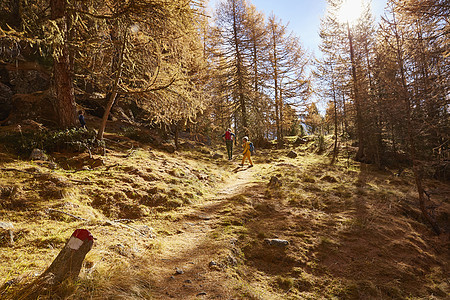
<point>188,264</point>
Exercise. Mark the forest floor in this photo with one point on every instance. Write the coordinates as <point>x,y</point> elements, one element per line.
<point>187,226</point>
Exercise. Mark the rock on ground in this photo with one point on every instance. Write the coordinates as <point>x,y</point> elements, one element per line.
<point>292,154</point>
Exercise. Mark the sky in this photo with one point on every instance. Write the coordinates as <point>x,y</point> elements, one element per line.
<point>302,16</point>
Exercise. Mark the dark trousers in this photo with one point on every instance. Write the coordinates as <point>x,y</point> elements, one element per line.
<point>229,149</point>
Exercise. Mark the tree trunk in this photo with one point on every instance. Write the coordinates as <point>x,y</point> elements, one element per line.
<point>177,133</point>
<point>359,121</point>
<point>65,103</point>
<point>344,116</point>
<point>418,174</point>
<point>65,99</point>
<point>14,17</point>
<point>280,101</point>
<point>277,100</point>
<point>240,74</point>
<point>113,95</point>
<point>335,122</point>
<point>418,171</point>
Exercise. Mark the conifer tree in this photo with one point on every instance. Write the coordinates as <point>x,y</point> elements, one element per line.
<point>286,71</point>
<point>231,16</point>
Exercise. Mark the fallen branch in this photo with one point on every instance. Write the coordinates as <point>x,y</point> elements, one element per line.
<point>123,225</point>
<point>22,171</point>
<point>119,143</point>
<point>111,166</point>
<point>116,223</point>
<point>49,210</point>
<point>123,220</point>
<point>129,154</point>
<point>81,181</point>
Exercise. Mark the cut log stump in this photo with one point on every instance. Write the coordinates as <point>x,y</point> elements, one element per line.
<point>69,261</point>
<point>66,266</point>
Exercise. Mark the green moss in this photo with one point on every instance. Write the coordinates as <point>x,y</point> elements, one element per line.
<point>284,283</point>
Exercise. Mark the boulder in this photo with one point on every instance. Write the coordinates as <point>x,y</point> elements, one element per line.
<point>274,182</point>
<point>300,141</point>
<point>329,178</point>
<point>6,225</point>
<point>5,101</point>
<point>37,106</point>
<point>292,154</point>
<point>24,92</point>
<point>85,162</point>
<point>168,147</point>
<point>262,143</point>
<point>217,156</point>
<point>276,242</point>
<point>6,234</point>
<point>38,154</point>
<point>29,81</point>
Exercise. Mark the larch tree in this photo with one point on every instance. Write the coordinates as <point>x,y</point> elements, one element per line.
<point>331,81</point>
<point>257,43</point>
<point>62,67</point>
<point>364,51</point>
<point>231,15</point>
<point>148,52</point>
<point>313,119</point>
<point>415,34</point>
<point>48,33</point>
<point>286,71</point>
<point>346,46</point>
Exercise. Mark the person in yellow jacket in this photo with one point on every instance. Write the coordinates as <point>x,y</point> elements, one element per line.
<point>246,153</point>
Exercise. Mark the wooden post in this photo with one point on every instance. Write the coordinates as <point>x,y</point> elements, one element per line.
<point>66,266</point>
<point>69,261</point>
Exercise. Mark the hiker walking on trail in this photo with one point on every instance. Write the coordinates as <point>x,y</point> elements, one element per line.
<point>247,153</point>
<point>228,137</point>
<point>81,119</point>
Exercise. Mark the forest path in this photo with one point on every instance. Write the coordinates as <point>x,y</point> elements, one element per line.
<point>188,263</point>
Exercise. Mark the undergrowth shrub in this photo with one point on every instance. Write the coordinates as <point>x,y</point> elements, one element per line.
<point>284,283</point>
<point>74,139</point>
<point>321,145</point>
<point>137,135</point>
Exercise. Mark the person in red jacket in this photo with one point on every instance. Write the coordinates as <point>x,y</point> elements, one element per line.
<point>229,137</point>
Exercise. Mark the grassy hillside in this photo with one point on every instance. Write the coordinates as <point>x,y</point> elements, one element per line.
<point>187,226</point>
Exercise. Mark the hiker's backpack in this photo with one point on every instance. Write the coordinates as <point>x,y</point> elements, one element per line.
<point>251,148</point>
<point>228,136</point>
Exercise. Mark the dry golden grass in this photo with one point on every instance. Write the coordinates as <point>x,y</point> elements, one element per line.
<point>353,232</point>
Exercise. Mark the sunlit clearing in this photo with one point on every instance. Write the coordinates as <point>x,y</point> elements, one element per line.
<point>350,11</point>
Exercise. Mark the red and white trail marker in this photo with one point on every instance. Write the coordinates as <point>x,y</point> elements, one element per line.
<point>78,237</point>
